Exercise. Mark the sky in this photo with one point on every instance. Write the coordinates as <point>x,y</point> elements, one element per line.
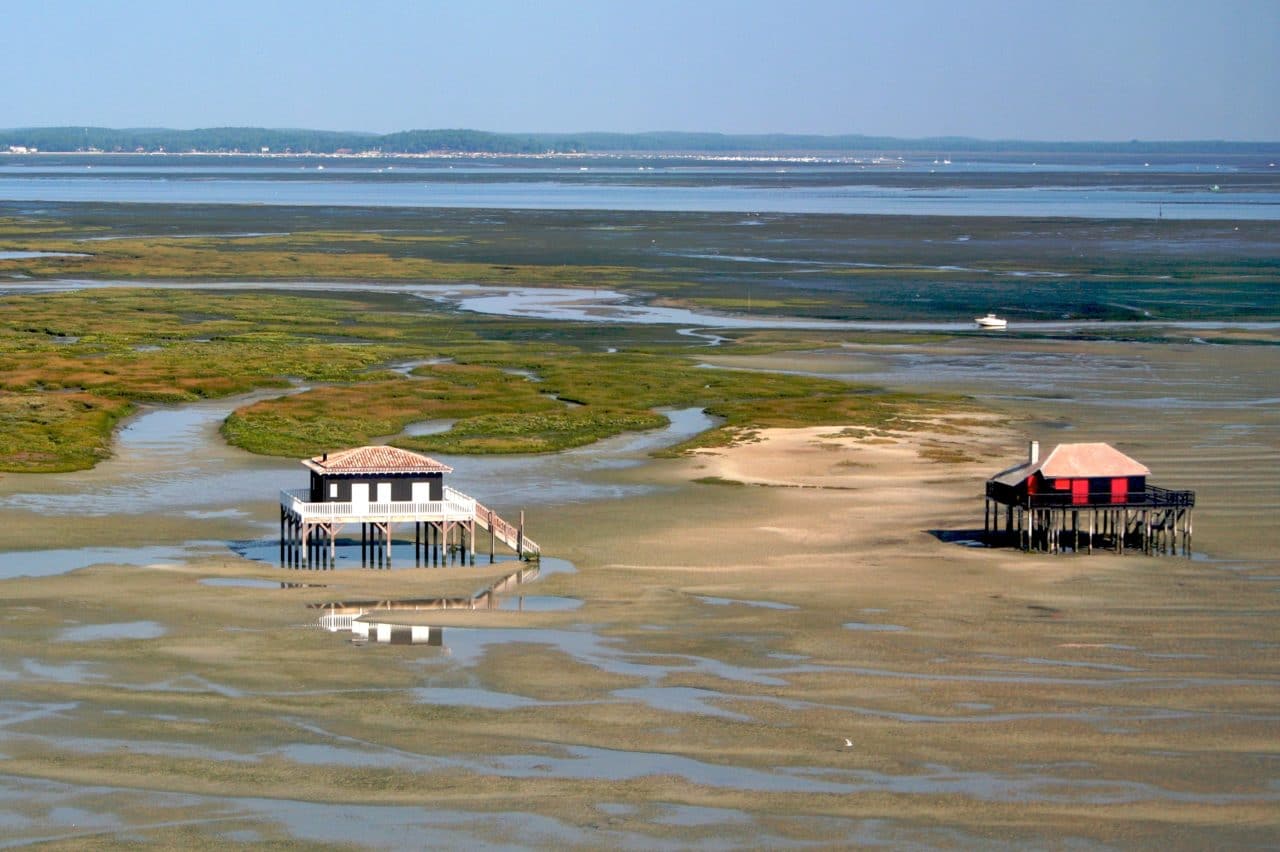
<point>1065,70</point>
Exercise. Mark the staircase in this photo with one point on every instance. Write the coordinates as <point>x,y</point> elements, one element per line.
<point>509,534</point>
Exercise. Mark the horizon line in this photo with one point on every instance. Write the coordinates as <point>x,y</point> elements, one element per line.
<point>784,134</point>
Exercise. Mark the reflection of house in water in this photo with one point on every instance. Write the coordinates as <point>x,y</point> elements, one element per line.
<point>398,634</point>
<point>339,616</point>
<point>379,487</point>
<point>1086,494</point>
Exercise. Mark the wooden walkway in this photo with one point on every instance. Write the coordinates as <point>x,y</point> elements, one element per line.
<point>443,529</point>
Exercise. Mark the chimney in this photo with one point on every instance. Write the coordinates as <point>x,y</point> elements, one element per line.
<point>1033,452</point>
<point>325,457</point>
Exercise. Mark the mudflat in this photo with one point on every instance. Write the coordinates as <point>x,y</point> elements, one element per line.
<point>775,646</point>
<point>787,641</point>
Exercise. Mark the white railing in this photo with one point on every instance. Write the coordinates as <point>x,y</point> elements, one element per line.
<point>335,623</point>
<point>455,507</point>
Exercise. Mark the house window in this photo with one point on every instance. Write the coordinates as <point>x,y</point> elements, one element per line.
<point>333,489</point>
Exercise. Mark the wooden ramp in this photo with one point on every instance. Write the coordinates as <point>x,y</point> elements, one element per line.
<point>509,534</point>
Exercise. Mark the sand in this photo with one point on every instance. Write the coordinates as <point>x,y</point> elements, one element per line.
<point>775,647</point>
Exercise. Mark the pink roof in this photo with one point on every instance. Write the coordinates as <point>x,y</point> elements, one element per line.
<point>1076,461</point>
<point>377,459</point>
<point>1084,460</point>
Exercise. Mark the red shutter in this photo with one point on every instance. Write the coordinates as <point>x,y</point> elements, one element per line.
<point>1079,491</point>
<point>1120,489</point>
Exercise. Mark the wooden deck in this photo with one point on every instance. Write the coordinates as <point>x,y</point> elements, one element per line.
<point>1151,496</point>
<point>454,507</point>
<point>449,525</point>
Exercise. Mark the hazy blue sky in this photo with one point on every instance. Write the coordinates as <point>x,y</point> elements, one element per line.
<point>1147,69</point>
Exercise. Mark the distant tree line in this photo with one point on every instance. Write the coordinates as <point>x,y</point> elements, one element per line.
<point>258,139</point>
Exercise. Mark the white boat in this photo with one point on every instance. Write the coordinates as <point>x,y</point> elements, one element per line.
<point>991,321</point>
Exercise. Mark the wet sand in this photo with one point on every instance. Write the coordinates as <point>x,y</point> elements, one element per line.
<point>731,637</point>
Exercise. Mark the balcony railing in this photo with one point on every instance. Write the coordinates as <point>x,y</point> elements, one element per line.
<point>455,506</point>
<point>1150,497</point>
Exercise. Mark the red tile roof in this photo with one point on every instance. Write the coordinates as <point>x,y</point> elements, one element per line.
<point>376,459</point>
<point>1077,461</point>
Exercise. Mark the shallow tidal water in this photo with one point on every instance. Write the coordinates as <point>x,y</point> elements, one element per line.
<point>603,305</point>
<point>172,461</point>
<point>1219,434</point>
<point>903,187</point>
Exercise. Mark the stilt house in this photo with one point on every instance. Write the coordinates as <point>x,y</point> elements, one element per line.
<point>1093,484</point>
<point>378,488</point>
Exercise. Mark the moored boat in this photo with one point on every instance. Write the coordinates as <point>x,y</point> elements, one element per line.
<point>991,321</point>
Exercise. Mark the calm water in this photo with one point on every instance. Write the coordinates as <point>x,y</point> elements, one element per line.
<point>1189,191</point>
<point>172,461</point>
<point>568,304</point>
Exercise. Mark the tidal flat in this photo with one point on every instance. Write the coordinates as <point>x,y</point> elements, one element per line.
<point>703,692</point>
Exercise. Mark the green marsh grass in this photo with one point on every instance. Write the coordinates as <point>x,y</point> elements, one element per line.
<point>72,364</point>
<point>52,432</point>
<point>90,355</point>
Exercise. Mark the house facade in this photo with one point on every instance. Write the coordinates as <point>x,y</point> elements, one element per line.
<point>1072,475</point>
<point>375,474</point>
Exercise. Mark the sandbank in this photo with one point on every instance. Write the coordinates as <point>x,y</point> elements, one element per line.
<point>762,606</point>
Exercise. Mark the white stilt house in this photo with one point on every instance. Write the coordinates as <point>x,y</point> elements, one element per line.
<point>379,487</point>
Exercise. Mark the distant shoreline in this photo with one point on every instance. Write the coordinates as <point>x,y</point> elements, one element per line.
<point>259,141</point>
<point>480,155</point>
<point>874,160</point>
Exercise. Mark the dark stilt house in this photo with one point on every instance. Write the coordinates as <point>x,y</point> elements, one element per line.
<point>1085,495</point>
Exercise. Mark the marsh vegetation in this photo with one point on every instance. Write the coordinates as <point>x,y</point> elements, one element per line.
<point>75,363</point>
<point>744,611</point>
